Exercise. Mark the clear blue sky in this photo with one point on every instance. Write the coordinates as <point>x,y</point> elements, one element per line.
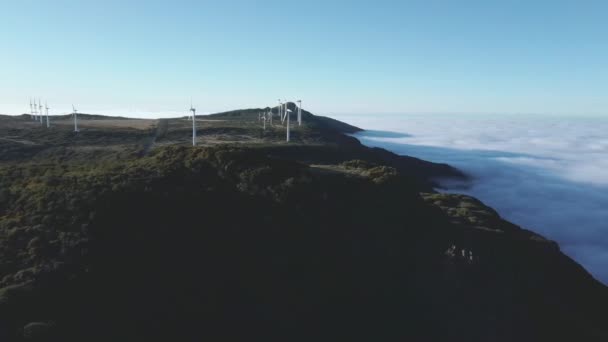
<point>501,56</point>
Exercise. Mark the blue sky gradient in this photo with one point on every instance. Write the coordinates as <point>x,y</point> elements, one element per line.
<point>150,57</point>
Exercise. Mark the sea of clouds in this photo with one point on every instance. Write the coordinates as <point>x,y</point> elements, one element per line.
<point>546,173</point>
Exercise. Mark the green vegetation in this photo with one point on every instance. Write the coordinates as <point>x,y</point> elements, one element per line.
<point>126,233</point>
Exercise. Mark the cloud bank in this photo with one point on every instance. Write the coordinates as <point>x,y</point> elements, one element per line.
<point>547,174</point>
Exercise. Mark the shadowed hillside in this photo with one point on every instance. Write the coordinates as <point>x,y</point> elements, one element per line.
<point>123,232</point>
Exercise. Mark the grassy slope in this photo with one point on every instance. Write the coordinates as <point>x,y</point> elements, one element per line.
<point>127,233</point>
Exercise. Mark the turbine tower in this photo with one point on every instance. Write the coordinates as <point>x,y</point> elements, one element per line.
<point>75,114</point>
<point>287,111</point>
<point>279,107</point>
<point>193,110</point>
<point>40,112</point>
<point>46,105</point>
<point>270,115</point>
<point>35,110</point>
<point>299,112</point>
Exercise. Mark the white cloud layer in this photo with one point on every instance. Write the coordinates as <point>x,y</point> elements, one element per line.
<point>548,174</point>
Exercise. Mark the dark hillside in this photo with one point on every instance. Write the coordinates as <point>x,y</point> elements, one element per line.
<point>127,234</point>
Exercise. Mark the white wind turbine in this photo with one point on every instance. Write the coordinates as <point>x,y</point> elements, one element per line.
<point>32,110</point>
<point>193,110</point>
<point>285,110</point>
<point>279,110</point>
<point>299,112</point>
<point>287,115</point>
<point>40,107</point>
<point>35,110</point>
<point>270,116</point>
<point>75,114</point>
<point>46,105</point>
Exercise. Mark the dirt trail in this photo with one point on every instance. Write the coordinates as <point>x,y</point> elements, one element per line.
<point>161,129</point>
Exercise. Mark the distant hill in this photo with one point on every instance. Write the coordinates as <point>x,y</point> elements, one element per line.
<point>81,116</point>
<point>309,118</point>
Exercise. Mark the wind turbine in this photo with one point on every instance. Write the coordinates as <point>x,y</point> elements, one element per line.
<point>299,112</point>
<point>46,105</point>
<point>32,110</point>
<point>285,106</point>
<point>270,115</point>
<point>40,107</point>
<point>193,110</point>
<point>35,110</point>
<point>75,114</point>
<point>284,110</point>
<point>279,108</point>
<point>287,111</point>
